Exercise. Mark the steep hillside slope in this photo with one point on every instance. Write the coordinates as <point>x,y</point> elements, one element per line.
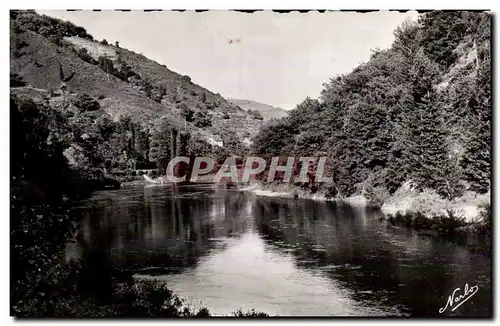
<point>60,65</point>
<point>267,111</point>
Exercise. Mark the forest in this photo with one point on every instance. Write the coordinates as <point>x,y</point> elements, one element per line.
<point>419,111</point>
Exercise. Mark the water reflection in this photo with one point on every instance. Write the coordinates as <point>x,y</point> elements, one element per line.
<point>231,249</point>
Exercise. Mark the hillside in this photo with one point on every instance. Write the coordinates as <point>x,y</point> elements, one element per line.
<point>61,65</point>
<point>417,114</point>
<point>267,111</point>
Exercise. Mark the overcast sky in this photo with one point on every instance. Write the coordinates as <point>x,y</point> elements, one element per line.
<point>277,59</point>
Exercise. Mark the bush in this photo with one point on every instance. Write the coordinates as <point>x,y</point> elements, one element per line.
<point>250,314</point>
<point>376,196</point>
<point>87,103</point>
<point>16,29</point>
<point>255,114</point>
<point>85,56</point>
<point>56,39</point>
<point>201,120</point>
<point>104,42</point>
<point>16,80</point>
<point>448,223</point>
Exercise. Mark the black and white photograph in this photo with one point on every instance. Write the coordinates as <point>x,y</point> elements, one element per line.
<point>250,163</point>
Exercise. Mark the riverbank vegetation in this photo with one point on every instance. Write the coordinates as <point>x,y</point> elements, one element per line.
<point>476,235</point>
<point>417,113</point>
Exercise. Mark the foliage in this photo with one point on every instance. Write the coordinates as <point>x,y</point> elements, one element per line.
<point>86,102</point>
<point>16,80</point>
<point>85,56</point>
<point>250,314</point>
<point>444,224</point>
<point>202,120</point>
<point>48,26</point>
<point>255,114</point>
<point>186,112</point>
<point>419,111</point>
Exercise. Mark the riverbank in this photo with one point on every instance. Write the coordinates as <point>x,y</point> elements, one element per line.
<point>403,201</point>
<point>465,220</point>
<point>290,191</point>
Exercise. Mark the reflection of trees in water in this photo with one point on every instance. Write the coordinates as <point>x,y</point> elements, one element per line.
<point>334,238</point>
<point>351,246</point>
<point>163,228</point>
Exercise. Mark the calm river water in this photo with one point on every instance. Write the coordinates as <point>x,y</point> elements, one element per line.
<point>230,249</point>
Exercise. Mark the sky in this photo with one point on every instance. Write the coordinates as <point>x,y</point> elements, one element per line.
<point>277,59</point>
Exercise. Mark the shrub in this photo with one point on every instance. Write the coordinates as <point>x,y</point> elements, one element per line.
<point>16,80</point>
<point>448,223</point>
<point>85,56</point>
<point>56,39</point>
<point>16,28</point>
<point>202,120</point>
<point>376,196</point>
<point>186,112</point>
<point>255,114</point>
<point>250,314</point>
<point>104,42</point>
<point>87,103</point>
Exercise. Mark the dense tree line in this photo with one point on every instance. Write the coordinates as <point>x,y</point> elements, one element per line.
<point>418,111</point>
<point>47,26</point>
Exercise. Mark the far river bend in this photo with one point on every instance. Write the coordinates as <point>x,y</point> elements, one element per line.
<point>226,249</point>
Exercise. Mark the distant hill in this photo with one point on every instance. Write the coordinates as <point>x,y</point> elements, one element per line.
<point>267,111</point>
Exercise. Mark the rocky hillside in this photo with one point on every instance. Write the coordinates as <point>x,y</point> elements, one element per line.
<point>258,109</point>
<point>60,65</point>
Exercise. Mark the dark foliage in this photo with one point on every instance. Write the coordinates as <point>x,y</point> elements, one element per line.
<point>418,111</point>
<point>48,26</point>
<point>85,56</point>
<point>16,80</point>
<point>86,102</point>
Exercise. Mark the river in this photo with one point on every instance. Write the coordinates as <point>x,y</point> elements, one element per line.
<point>227,249</point>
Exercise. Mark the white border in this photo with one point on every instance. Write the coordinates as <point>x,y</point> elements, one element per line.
<point>197,4</point>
